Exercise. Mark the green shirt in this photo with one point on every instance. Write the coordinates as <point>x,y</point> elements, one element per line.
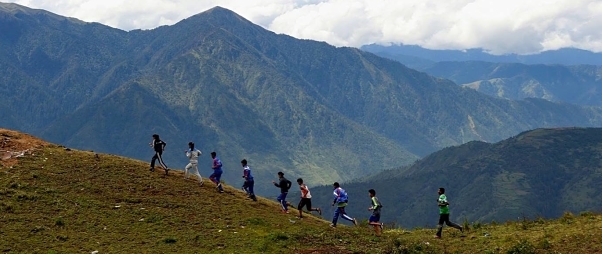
<point>443,209</point>
<point>376,205</point>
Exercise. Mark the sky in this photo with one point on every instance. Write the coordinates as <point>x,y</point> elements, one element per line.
<point>497,26</point>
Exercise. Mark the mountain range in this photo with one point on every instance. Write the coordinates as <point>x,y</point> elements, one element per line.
<point>302,107</point>
<point>538,173</point>
<point>416,55</point>
<point>565,75</point>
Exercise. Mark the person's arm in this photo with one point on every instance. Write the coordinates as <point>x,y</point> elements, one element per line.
<point>245,173</point>
<point>336,197</point>
<point>374,203</point>
<point>442,202</point>
<point>163,144</point>
<point>304,190</point>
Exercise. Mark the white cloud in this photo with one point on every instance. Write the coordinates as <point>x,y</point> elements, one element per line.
<point>499,26</point>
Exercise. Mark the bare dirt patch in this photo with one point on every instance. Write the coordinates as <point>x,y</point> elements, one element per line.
<point>15,144</point>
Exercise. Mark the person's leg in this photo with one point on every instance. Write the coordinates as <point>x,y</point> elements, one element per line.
<point>195,167</point>
<point>152,165</point>
<point>245,187</point>
<point>250,187</point>
<point>442,219</point>
<point>212,177</point>
<point>188,167</point>
<point>300,207</point>
<point>160,155</point>
<point>310,208</point>
<point>284,203</point>
<point>374,221</point>
<point>218,177</point>
<point>281,199</point>
<point>451,224</point>
<point>335,217</point>
<point>345,216</point>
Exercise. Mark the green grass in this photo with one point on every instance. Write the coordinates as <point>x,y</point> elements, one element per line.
<point>58,201</point>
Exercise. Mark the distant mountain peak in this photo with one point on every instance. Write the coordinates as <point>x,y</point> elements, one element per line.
<point>219,16</point>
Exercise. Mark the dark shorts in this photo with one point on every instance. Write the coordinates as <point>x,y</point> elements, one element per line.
<point>444,218</point>
<point>374,218</point>
<point>305,202</point>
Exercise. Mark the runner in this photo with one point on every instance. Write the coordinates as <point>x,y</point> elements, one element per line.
<point>159,146</point>
<point>193,156</point>
<point>284,185</point>
<point>374,219</point>
<point>305,199</point>
<point>217,172</point>
<point>249,182</point>
<point>444,214</point>
<point>341,200</point>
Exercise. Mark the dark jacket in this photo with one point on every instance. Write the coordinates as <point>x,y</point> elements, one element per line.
<point>159,145</point>
<point>284,185</point>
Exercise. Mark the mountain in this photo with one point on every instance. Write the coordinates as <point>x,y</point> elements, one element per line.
<point>579,84</point>
<point>543,172</point>
<point>416,56</point>
<point>302,107</point>
<point>62,200</point>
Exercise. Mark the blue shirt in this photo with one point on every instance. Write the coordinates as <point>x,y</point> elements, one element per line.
<point>217,164</point>
<point>247,173</point>
<point>340,196</point>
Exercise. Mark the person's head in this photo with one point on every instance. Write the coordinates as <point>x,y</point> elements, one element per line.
<point>280,174</point>
<point>156,136</point>
<point>441,191</point>
<point>213,154</point>
<point>191,145</point>
<point>336,185</point>
<point>243,162</point>
<point>372,192</point>
<point>300,181</point>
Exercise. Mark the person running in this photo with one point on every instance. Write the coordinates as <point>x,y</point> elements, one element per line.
<point>305,199</point>
<point>249,182</point>
<point>217,172</point>
<point>374,219</point>
<point>444,214</point>
<point>284,185</point>
<point>159,146</point>
<point>341,200</point>
<point>193,155</point>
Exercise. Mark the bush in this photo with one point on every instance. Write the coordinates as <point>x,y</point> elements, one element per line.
<point>522,247</point>
<point>476,225</point>
<point>169,240</point>
<point>278,236</point>
<point>586,214</point>
<point>59,222</point>
<point>567,218</point>
<point>466,225</point>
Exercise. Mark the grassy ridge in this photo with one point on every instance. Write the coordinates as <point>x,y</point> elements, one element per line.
<point>56,200</point>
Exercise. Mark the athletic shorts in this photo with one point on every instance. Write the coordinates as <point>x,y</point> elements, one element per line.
<point>305,202</point>
<point>374,218</point>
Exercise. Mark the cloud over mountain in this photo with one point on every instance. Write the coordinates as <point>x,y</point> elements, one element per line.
<point>498,26</point>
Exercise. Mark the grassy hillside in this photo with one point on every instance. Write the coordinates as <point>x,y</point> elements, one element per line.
<point>57,200</point>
